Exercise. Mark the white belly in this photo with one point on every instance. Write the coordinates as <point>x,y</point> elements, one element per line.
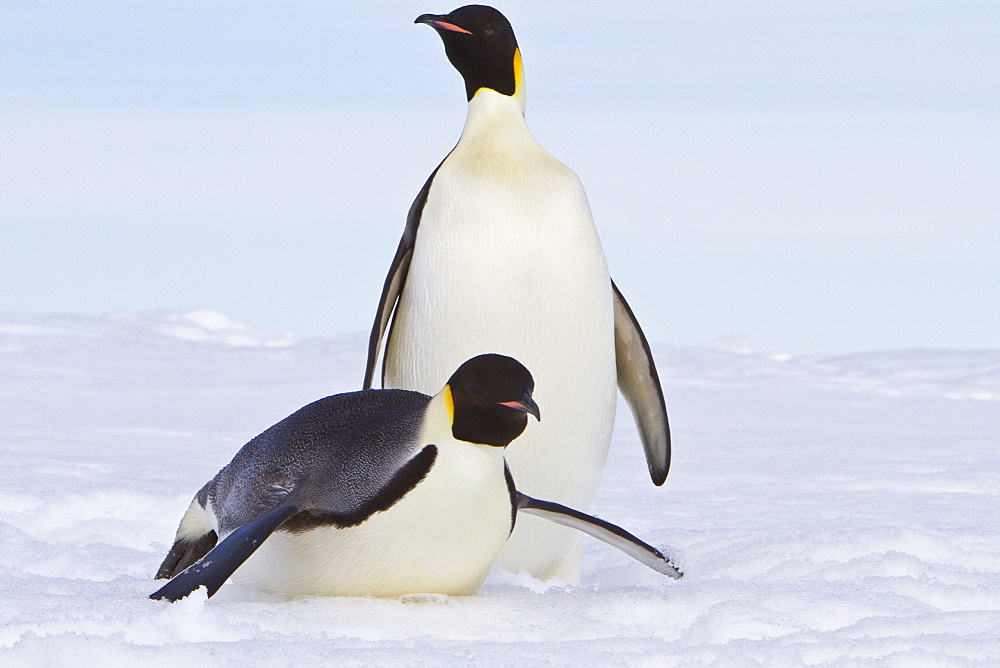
<point>518,269</point>
<point>440,538</point>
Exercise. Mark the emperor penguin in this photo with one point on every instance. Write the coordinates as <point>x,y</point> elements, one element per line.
<point>500,252</point>
<point>375,493</point>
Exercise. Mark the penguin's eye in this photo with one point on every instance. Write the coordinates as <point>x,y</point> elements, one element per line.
<point>472,388</point>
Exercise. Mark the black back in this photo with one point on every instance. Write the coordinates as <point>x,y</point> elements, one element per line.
<point>367,442</point>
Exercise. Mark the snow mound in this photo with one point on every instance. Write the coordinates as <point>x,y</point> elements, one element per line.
<point>200,326</point>
<point>203,326</point>
<point>967,374</point>
<point>950,374</point>
<point>735,343</point>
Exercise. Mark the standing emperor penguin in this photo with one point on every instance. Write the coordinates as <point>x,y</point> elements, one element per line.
<point>500,252</point>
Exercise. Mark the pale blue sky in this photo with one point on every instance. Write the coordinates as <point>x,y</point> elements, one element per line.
<point>820,177</point>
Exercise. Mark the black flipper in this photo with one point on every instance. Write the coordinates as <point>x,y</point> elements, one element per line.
<point>512,491</point>
<point>640,385</point>
<point>601,530</point>
<point>216,566</point>
<point>184,553</point>
<point>395,280</point>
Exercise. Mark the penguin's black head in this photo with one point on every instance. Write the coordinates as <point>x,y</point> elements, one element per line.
<point>480,44</point>
<point>491,395</point>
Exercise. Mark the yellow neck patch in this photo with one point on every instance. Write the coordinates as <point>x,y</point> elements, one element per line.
<point>449,402</point>
<point>518,74</point>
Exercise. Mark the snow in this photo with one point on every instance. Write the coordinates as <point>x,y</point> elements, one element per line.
<point>824,509</point>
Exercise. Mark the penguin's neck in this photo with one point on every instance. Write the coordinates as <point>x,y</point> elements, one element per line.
<point>495,118</point>
<point>438,418</point>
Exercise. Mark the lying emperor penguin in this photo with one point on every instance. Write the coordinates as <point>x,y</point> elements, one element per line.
<point>376,493</point>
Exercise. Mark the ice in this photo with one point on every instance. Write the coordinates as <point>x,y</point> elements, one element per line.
<point>824,510</point>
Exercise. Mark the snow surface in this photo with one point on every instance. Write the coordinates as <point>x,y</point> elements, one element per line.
<point>825,510</point>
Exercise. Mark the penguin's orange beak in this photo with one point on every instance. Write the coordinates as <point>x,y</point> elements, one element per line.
<point>525,405</point>
<point>436,22</point>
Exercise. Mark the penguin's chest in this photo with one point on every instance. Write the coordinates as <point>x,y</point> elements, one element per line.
<point>506,260</point>
<point>518,228</point>
<point>441,537</point>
